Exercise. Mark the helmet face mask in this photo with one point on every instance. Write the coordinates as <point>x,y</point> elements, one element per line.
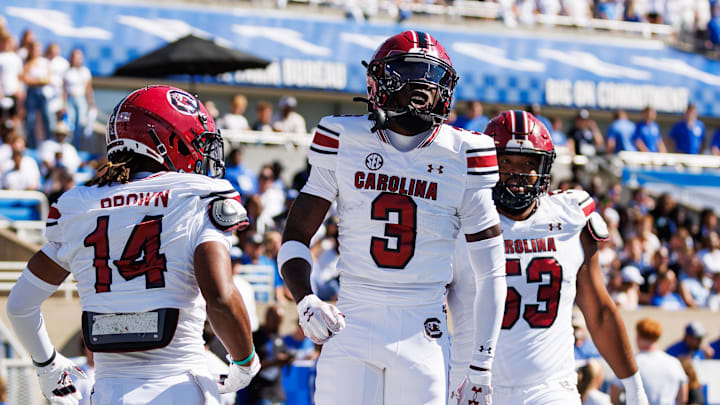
<point>525,156</point>
<point>411,76</point>
<point>169,126</point>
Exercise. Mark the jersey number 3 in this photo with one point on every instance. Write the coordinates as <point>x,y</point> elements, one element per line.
<point>141,255</point>
<point>547,293</point>
<point>404,231</point>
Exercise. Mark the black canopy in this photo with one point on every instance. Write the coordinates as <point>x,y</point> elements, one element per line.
<point>190,55</point>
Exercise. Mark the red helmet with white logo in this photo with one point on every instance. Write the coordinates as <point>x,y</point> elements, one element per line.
<point>408,58</point>
<point>169,126</point>
<point>520,133</point>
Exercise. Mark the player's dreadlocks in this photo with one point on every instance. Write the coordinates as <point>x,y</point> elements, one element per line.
<point>122,169</point>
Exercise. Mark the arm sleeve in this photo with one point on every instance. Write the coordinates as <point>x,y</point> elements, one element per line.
<point>23,310</point>
<point>460,298</point>
<point>322,183</point>
<point>487,260</point>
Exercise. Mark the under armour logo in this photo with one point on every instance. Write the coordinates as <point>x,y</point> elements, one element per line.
<point>482,349</point>
<point>439,168</point>
<point>474,400</point>
<point>558,226</point>
<point>308,313</point>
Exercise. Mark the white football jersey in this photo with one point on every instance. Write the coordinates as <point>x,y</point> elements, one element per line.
<point>543,255</point>
<point>400,212</point>
<point>130,247</point>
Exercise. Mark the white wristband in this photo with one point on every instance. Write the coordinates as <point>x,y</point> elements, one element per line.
<point>293,249</point>
<point>633,383</point>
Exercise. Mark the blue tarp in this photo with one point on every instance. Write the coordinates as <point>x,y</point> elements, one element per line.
<point>325,53</point>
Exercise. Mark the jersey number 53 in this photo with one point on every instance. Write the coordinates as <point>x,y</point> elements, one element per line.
<point>548,293</point>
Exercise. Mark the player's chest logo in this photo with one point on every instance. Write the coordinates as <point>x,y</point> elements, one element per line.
<point>557,226</point>
<point>374,161</point>
<point>435,168</point>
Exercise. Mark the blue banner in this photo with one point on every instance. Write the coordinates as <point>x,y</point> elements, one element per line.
<point>325,53</point>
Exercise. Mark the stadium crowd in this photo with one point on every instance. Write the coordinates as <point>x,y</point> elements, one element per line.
<point>660,253</point>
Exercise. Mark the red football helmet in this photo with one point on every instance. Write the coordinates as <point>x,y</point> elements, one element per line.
<point>519,132</point>
<point>411,57</point>
<point>169,126</point>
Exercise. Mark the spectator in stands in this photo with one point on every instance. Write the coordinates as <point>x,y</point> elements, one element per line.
<point>694,285</point>
<point>663,376</point>
<point>280,220</point>
<point>629,295</point>
<point>665,224</point>
<point>301,177</point>
<point>58,68</point>
<point>620,133</point>
<point>287,119</point>
<point>710,254</point>
<point>58,152</point>
<point>78,95</point>
<point>235,120</point>
<point>37,75</point>
<point>647,136</point>
<point>11,95</point>
<point>271,194</point>
<point>242,179</point>
<point>714,303</point>
<point>266,388</point>
<point>590,379</point>
<point>695,389</point>
<point>688,134</point>
<point>691,344</point>
<point>608,9</point>
<point>27,39</point>
<point>716,349</point>
<point>584,138</point>
<point>264,113</point>
<point>646,233</point>
<point>25,174</point>
<point>715,143</point>
<point>713,26</point>
<point>556,132</point>
<point>536,110</point>
<point>325,278</point>
<point>665,297</point>
<point>635,254</point>
<point>473,119</point>
<point>584,347</point>
<point>59,181</point>
<point>708,223</point>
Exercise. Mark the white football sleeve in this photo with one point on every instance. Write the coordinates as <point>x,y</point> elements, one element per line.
<point>477,211</point>
<point>322,183</point>
<point>461,298</point>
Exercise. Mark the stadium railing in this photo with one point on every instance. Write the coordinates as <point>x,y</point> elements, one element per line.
<point>24,211</point>
<point>17,370</point>
<point>11,270</point>
<point>262,279</point>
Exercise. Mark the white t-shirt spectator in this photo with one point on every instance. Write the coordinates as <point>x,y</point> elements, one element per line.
<point>58,67</point>
<point>26,178</point>
<point>710,259</point>
<point>70,159</point>
<point>662,375</point>
<point>248,295</point>
<point>11,67</point>
<point>235,122</point>
<point>293,123</point>
<point>76,80</point>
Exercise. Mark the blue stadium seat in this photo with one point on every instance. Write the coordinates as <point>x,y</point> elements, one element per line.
<point>21,209</point>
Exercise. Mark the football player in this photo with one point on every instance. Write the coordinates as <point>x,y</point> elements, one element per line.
<point>551,245</point>
<point>148,245</point>
<point>405,185</point>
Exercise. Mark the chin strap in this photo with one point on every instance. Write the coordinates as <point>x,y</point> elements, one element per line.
<point>381,118</point>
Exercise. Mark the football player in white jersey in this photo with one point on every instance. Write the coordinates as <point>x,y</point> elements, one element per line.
<point>405,185</point>
<point>149,248</point>
<point>551,252</point>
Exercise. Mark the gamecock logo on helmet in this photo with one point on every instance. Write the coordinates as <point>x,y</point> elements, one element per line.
<point>183,102</point>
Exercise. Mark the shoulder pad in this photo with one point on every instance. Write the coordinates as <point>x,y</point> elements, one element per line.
<point>579,198</point>
<point>228,214</point>
<point>597,227</point>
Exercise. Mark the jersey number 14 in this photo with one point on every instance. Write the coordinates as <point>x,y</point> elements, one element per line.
<point>141,255</point>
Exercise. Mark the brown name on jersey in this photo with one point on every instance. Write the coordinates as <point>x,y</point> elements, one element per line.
<point>155,198</point>
<point>530,245</point>
<point>396,184</point>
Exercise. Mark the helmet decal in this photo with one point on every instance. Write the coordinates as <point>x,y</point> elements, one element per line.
<point>182,102</point>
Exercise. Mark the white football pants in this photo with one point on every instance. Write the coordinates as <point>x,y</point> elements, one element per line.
<point>386,355</point>
<point>188,388</point>
<point>556,393</point>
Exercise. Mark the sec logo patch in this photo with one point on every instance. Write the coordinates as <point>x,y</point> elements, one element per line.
<point>373,161</point>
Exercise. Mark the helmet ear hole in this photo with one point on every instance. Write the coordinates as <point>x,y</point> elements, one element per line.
<point>182,148</point>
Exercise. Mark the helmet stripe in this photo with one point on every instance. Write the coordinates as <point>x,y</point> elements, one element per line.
<point>526,121</point>
<point>414,36</point>
<point>519,120</point>
<point>512,123</point>
<point>422,40</point>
